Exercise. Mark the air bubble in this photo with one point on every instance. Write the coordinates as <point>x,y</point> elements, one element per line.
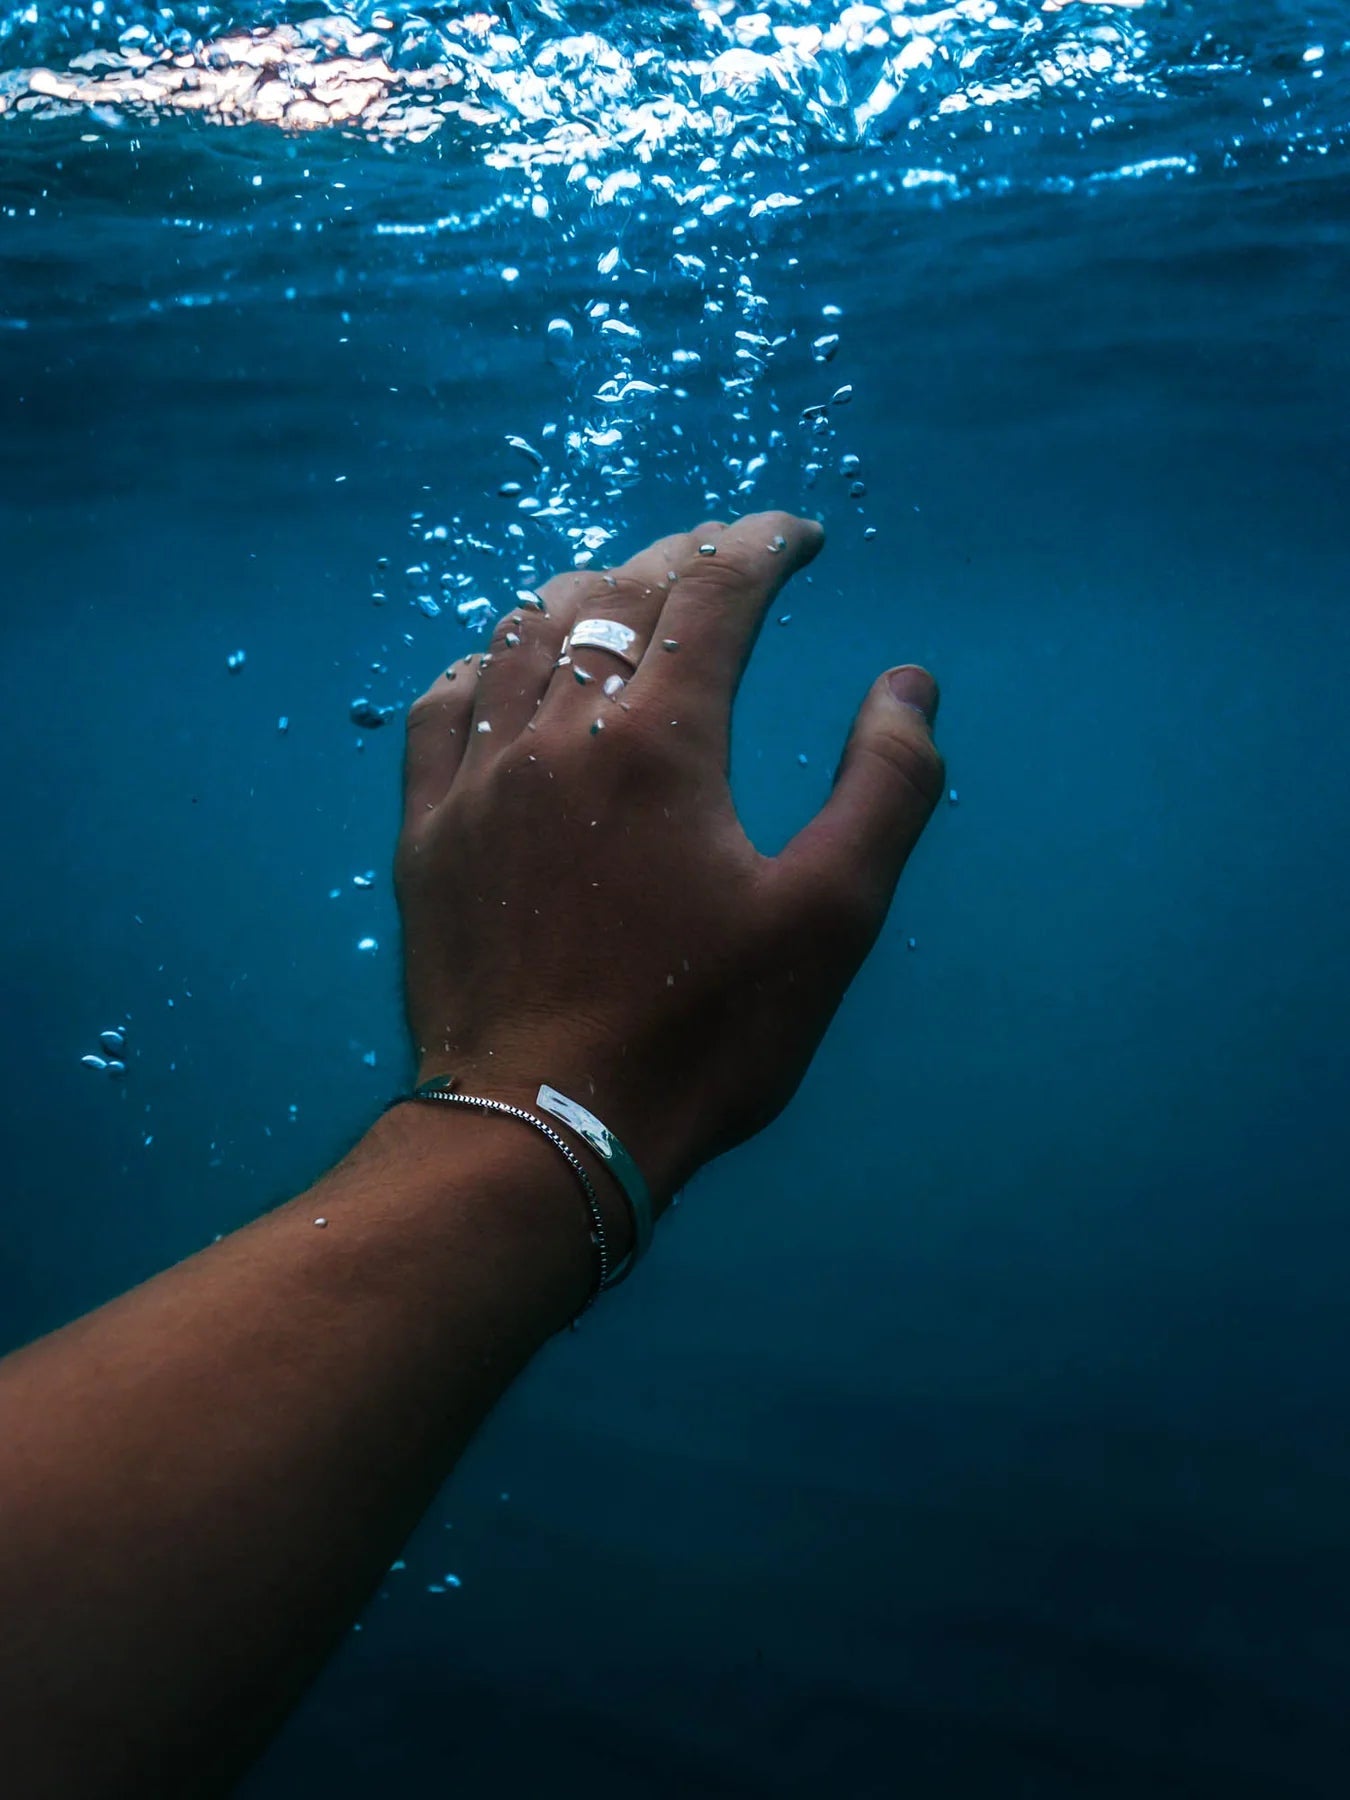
<point>94,1062</point>
<point>235,661</point>
<point>824,348</point>
<point>850,465</point>
<point>112,1041</point>
<point>526,450</point>
<point>841,396</point>
<point>367,714</point>
<point>858,490</point>
<point>367,945</point>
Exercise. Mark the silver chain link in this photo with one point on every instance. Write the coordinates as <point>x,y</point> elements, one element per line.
<point>439,1097</point>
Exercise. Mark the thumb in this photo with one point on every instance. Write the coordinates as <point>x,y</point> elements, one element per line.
<point>889,781</point>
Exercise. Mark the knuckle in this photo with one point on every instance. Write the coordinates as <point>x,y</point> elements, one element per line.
<point>429,708</point>
<point>642,734</point>
<point>718,578</point>
<point>916,760</point>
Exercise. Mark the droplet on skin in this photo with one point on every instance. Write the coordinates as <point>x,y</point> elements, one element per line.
<point>707,549</point>
<point>597,726</point>
<point>483,727</point>
<point>511,640</point>
<point>320,1222</point>
<point>670,643</point>
<point>614,685</point>
<point>581,677</point>
<point>778,546</point>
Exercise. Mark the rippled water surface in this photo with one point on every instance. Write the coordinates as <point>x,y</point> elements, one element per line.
<point>980,1430</point>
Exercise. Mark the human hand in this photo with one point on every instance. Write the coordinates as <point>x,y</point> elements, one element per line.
<point>580,903</point>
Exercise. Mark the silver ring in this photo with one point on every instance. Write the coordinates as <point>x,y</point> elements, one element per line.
<point>604,634</point>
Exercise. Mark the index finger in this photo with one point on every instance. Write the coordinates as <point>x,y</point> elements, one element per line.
<point>714,611</point>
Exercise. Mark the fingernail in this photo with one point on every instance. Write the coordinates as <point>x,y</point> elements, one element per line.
<point>915,687</point>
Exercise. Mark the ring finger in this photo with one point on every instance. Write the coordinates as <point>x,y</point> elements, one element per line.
<point>619,620</point>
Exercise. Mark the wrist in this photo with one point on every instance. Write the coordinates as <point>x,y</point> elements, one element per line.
<point>435,1137</point>
<point>510,1076</point>
<point>434,1194</point>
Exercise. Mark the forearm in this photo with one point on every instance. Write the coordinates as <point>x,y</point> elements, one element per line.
<point>205,1479</point>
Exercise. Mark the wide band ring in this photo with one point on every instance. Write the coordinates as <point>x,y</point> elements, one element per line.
<point>603,634</point>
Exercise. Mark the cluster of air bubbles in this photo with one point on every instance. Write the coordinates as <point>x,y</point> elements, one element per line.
<point>820,431</point>
<point>599,94</point>
<point>110,1058</point>
<point>661,342</point>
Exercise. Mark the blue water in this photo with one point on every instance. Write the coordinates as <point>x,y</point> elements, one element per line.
<point>981,1429</point>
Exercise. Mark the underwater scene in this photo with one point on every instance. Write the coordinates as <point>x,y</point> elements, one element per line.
<point>980,1429</point>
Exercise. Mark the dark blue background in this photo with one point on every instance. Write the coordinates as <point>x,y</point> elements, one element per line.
<point>981,1429</point>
